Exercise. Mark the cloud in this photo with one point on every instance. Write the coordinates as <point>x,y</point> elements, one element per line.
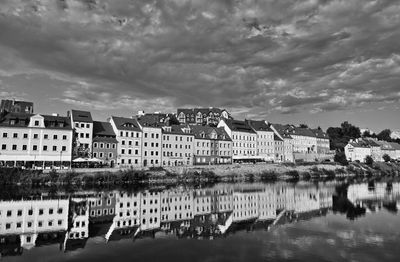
<point>251,57</point>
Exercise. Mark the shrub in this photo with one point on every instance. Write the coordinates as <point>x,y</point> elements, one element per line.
<point>369,161</point>
<point>340,158</point>
<point>386,158</point>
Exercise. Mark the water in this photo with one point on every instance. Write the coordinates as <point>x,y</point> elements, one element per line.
<point>226,222</point>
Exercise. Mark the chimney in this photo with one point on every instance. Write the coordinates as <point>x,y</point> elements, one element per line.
<point>54,114</point>
<point>140,113</point>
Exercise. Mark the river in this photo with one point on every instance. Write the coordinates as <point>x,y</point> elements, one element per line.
<point>304,221</point>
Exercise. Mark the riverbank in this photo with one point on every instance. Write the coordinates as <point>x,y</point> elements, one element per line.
<point>197,174</point>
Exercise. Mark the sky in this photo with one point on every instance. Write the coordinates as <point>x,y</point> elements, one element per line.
<point>319,62</point>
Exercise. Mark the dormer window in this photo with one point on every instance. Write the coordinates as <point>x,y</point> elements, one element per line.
<point>37,122</point>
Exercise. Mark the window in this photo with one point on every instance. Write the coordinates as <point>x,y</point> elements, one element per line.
<point>87,135</point>
<point>14,147</point>
<point>24,147</point>
<point>40,211</point>
<point>3,147</point>
<point>35,136</point>
<point>25,135</point>
<point>36,123</point>
<point>44,148</point>
<point>55,137</point>
<point>54,148</point>
<point>51,211</point>
<point>87,125</point>
<point>59,211</point>
<point>15,135</point>
<point>34,148</point>
<point>64,137</point>
<point>95,145</point>
<point>4,135</point>
<point>64,148</point>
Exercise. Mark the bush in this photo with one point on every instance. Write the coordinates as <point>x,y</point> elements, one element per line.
<point>369,161</point>
<point>340,158</point>
<point>386,158</point>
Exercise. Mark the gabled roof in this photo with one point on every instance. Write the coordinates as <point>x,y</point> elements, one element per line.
<point>259,125</point>
<point>126,124</point>
<point>239,126</point>
<point>81,116</point>
<point>102,129</point>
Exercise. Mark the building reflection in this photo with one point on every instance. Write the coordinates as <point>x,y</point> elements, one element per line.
<point>70,221</point>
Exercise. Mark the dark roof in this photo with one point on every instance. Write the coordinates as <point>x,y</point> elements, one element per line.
<point>126,124</point>
<point>81,116</point>
<point>259,125</point>
<point>102,129</point>
<point>22,120</point>
<point>176,129</point>
<point>153,120</point>
<point>365,143</point>
<point>197,130</point>
<point>277,138</point>
<point>394,145</point>
<point>320,134</point>
<point>239,126</point>
<point>294,130</point>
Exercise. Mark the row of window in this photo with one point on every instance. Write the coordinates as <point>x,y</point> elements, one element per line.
<point>176,146</point>
<point>129,151</point>
<point>206,152</point>
<point>34,148</point>
<point>82,125</point>
<point>244,137</point>
<point>129,143</point>
<point>176,154</point>
<point>129,134</point>
<point>35,136</point>
<point>101,155</point>
<point>104,145</point>
<point>188,139</point>
<point>29,224</point>
<point>207,144</point>
<point>152,135</point>
<point>238,144</point>
<point>41,211</point>
<point>248,152</point>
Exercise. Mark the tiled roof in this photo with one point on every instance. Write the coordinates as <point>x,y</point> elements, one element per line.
<point>239,126</point>
<point>259,125</point>
<point>198,130</point>
<point>102,129</point>
<point>176,129</point>
<point>126,124</point>
<point>364,143</point>
<point>81,116</point>
<point>22,120</point>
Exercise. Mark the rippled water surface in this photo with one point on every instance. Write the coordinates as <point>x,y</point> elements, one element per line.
<point>241,222</point>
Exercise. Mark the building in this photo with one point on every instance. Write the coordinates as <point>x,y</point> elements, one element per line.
<point>129,137</point>
<point>202,116</point>
<point>177,145</point>
<point>279,149</point>
<point>245,206</point>
<point>357,150</point>
<point>211,146</point>
<point>323,144</point>
<point>244,139</point>
<point>150,210</point>
<point>396,147</point>
<point>157,118</point>
<point>102,207</point>
<point>176,205</point>
<point>280,131</point>
<point>82,123</point>
<point>39,141</point>
<point>265,145</point>
<point>13,106</point>
<point>29,219</point>
<point>151,143</point>
<point>104,143</point>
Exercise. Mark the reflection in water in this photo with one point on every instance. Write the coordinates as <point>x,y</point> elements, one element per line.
<point>70,220</point>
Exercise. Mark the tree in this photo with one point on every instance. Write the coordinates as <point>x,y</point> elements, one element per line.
<point>366,134</point>
<point>303,126</point>
<point>350,131</point>
<point>385,135</point>
<point>386,158</point>
<point>369,161</point>
<point>340,157</point>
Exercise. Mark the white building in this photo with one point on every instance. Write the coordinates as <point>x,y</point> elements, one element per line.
<point>129,137</point>
<point>177,145</point>
<point>29,218</point>
<point>357,150</point>
<point>150,210</point>
<point>151,145</point>
<point>244,139</point>
<point>265,139</point>
<point>35,140</point>
<point>245,206</point>
<point>176,205</point>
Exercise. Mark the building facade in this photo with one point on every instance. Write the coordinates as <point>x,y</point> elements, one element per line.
<point>265,145</point>
<point>177,145</point>
<point>201,116</point>
<point>244,139</point>
<point>35,141</point>
<point>151,145</point>
<point>211,146</point>
<point>82,123</point>
<point>129,137</point>
<point>105,144</point>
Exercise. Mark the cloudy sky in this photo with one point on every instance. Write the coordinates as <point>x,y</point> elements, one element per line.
<point>292,61</point>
